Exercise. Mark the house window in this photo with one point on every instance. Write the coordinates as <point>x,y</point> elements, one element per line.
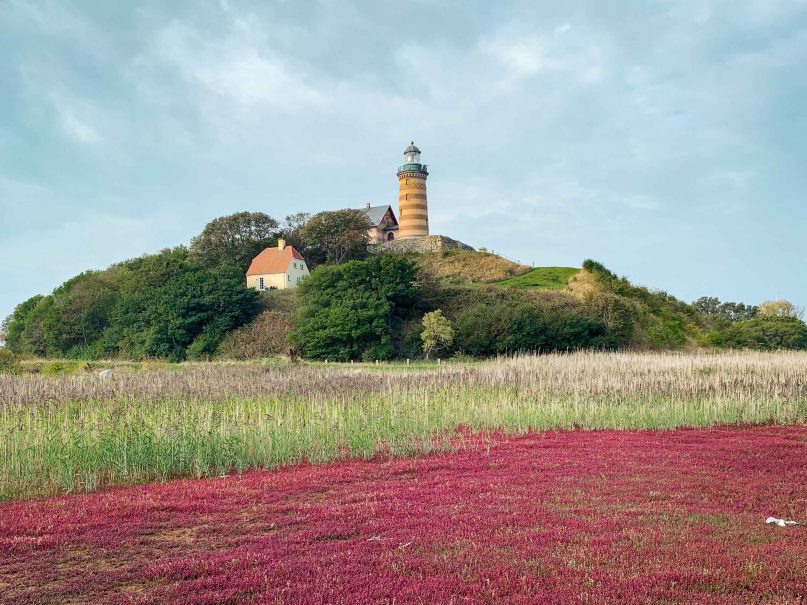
<point>295,265</point>
<point>289,276</point>
<point>298,281</point>
<point>302,267</point>
<point>260,283</point>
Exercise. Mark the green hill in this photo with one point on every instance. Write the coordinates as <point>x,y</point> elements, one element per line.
<point>545,278</point>
<point>465,267</point>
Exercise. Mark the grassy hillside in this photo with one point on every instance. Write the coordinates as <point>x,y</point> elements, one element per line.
<point>546,278</point>
<point>467,267</point>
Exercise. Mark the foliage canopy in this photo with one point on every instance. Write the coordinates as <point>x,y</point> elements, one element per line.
<point>351,311</point>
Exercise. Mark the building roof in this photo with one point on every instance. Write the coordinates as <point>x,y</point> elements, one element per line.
<point>412,147</point>
<point>273,260</point>
<point>376,213</point>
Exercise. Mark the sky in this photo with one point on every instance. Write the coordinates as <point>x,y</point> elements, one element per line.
<point>666,139</point>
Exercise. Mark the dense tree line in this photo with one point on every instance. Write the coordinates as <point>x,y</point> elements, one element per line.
<point>193,304</point>
<point>163,305</point>
<point>180,303</point>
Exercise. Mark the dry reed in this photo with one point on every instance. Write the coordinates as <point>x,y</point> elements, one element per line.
<point>77,433</point>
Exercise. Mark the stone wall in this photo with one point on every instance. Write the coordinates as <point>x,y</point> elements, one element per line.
<point>429,243</point>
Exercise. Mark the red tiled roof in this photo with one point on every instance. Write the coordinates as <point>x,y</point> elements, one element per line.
<point>273,260</point>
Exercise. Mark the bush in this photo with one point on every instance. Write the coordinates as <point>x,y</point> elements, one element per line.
<point>616,312</point>
<point>266,336</point>
<point>9,362</point>
<point>764,333</point>
<point>437,334</point>
<point>58,368</point>
<point>666,333</point>
<point>353,311</point>
<point>484,331</point>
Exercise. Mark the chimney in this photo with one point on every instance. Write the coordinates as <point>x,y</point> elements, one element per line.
<point>367,205</point>
<point>281,243</point>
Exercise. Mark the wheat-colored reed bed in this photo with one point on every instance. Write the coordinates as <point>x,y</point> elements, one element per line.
<point>78,433</point>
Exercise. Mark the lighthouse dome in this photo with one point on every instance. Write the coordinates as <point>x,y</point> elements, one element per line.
<point>412,154</point>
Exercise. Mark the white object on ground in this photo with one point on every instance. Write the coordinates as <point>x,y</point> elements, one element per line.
<point>105,373</point>
<point>780,522</point>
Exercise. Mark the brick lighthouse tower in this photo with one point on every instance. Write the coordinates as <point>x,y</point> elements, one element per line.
<point>413,217</point>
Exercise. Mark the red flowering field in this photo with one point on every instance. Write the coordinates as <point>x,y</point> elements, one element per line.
<point>559,517</point>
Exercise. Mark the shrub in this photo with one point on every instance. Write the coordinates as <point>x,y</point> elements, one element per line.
<point>665,333</point>
<point>766,332</point>
<point>437,334</point>
<point>616,312</point>
<point>502,329</point>
<point>352,311</point>
<point>266,336</point>
<point>9,362</point>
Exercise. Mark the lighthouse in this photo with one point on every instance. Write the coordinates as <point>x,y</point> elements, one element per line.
<point>413,216</point>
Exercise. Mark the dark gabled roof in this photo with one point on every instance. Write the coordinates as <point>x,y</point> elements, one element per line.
<point>376,213</point>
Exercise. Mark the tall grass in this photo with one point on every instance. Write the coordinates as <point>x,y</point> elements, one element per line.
<point>81,432</point>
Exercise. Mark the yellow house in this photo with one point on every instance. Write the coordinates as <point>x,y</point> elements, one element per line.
<point>277,268</point>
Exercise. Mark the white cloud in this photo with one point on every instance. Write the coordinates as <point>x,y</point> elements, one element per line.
<point>75,116</point>
<point>238,68</point>
<point>523,56</point>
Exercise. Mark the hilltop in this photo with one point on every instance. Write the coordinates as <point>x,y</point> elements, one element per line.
<point>545,278</point>
<point>193,304</point>
<point>467,267</point>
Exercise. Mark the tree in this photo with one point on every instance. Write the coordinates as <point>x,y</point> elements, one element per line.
<point>14,325</point>
<point>616,312</point>
<point>730,311</point>
<point>485,330</point>
<point>292,229</point>
<point>335,237</point>
<point>708,305</point>
<point>194,311</point>
<point>437,332</point>
<point>766,332</point>
<point>234,240</point>
<point>80,313</point>
<point>351,311</point>
<point>781,308</point>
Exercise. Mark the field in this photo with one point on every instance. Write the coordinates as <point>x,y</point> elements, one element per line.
<point>559,518</point>
<point>80,432</point>
<point>552,479</point>
<point>545,278</point>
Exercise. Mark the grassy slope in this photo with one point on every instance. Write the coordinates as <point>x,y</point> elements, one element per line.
<point>468,267</point>
<point>546,278</point>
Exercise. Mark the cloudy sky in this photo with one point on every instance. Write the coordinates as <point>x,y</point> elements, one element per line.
<point>664,138</point>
